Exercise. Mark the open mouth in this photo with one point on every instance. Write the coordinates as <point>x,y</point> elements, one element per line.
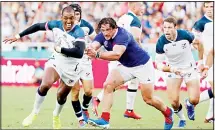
<point>68,25</point>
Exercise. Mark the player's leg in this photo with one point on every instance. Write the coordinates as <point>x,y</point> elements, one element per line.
<point>210,114</point>
<point>114,79</point>
<point>130,99</point>
<point>76,104</point>
<point>173,91</point>
<point>62,93</point>
<point>96,100</point>
<point>50,76</point>
<point>147,90</point>
<point>193,88</point>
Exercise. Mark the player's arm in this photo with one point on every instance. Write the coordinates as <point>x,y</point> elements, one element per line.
<point>76,52</point>
<point>208,65</point>
<point>32,29</point>
<point>136,32</point>
<point>117,52</point>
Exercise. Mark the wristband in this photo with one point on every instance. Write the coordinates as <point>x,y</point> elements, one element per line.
<point>17,36</point>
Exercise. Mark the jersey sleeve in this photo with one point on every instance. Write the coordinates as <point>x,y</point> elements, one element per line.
<point>190,36</point>
<point>79,33</point>
<point>159,46</point>
<point>52,24</point>
<point>99,38</point>
<point>198,26</point>
<point>87,24</point>
<point>136,23</point>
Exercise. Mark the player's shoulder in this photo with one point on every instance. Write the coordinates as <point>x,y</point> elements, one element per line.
<point>78,31</point>
<point>84,23</point>
<point>135,20</point>
<point>203,20</point>
<point>200,24</point>
<point>162,40</point>
<point>122,32</point>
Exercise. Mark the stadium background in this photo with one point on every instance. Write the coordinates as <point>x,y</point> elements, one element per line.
<point>18,60</point>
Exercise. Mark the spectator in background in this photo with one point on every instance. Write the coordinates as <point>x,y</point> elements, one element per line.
<point>38,74</point>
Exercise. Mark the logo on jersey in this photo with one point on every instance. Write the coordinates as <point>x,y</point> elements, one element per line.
<point>106,43</point>
<point>183,45</point>
<point>87,74</point>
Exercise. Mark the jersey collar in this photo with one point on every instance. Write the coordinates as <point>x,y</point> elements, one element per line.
<point>208,17</point>
<point>175,37</point>
<point>115,33</point>
<point>129,11</point>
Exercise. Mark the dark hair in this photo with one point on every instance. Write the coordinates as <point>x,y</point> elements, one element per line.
<point>77,8</point>
<point>109,21</point>
<point>207,2</point>
<point>68,9</point>
<point>171,20</point>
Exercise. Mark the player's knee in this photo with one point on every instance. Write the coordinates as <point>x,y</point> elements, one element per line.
<point>108,87</point>
<point>43,89</point>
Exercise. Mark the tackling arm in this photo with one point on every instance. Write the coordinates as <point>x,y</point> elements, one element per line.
<point>32,29</point>
<point>159,59</point>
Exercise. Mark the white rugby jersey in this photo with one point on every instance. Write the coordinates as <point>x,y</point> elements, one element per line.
<point>204,26</point>
<point>178,53</point>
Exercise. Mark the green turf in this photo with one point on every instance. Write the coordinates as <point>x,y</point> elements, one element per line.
<point>18,102</point>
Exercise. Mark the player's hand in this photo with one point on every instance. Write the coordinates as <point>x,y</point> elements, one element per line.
<point>10,40</point>
<point>204,74</point>
<point>57,48</point>
<point>91,52</point>
<point>175,70</point>
<point>200,67</point>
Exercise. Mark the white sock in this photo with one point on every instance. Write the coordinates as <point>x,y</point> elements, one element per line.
<point>100,95</point>
<point>37,103</point>
<point>180,113</point>
<point>57,109</point>
<point>131,93</point>
<point>130,99</point>
<point>210,109</point>
<point>204,96</point>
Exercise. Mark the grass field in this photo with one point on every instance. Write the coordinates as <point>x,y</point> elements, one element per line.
<point>17,103</point>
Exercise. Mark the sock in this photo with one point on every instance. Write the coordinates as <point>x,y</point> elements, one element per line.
<point>167,112</point>
<point>130,98</point>
<point>77,108</point>
<point>180,113</point>
<point>58,108</point>
<point>205,95</point>
<point>39,98</point>
<point>105,116</point>
<point>86,101</point>
<point>100,95</point>
<point>210,109</point>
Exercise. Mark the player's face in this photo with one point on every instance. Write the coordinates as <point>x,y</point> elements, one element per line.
<point>169,30</point>
<point>139,8</point>
<point>68,19</point>
<point>77,16</point>
<point>209,9</point>
<point>107,31</point>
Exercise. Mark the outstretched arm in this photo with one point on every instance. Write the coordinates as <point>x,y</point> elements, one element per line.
<point>32,29</point>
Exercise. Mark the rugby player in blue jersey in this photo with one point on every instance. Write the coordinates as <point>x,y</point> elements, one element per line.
<point>136,63</point>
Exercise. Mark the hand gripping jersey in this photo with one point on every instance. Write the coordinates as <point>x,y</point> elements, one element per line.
<point>178,53</point>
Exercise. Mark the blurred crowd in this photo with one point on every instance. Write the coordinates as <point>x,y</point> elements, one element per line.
<point>17,16</point>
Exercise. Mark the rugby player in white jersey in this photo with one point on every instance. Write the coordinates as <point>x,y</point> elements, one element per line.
<point>203,30</point>
<point>132,24</point>
<point>64,63</point>
<point>175,46</point>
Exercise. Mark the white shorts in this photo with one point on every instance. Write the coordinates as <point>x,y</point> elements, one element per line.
<point>112,65</point>
<point>187,74</point>
<point>86,72</point>
<point>144,73</point>
<point>69,73</point>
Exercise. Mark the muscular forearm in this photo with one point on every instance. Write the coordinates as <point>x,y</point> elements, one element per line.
<point>32,29</point>
<point>109,55</point>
